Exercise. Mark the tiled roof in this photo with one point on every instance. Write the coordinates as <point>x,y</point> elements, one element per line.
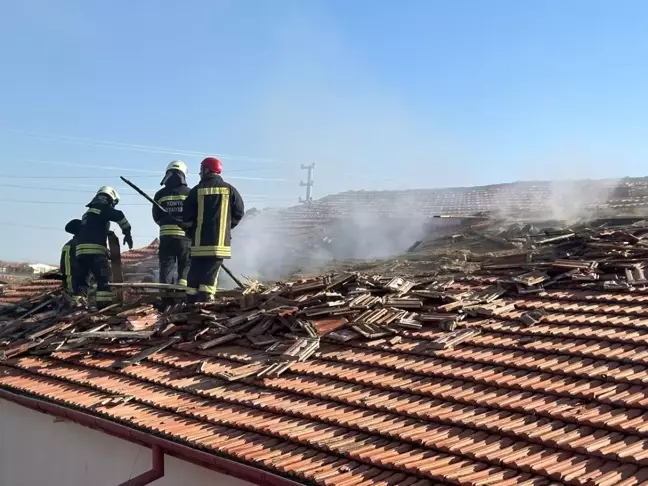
<point>528,197</point>
<point>139,263</point>
<point>550,389</point>
<point>139,255</point>
<point>28,290</point>
<point>560,400</point>
<point>132,260</point>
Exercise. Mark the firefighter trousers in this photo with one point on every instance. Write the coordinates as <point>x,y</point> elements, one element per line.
<point>203,278</point>
<point>69,283</point>
<point>174,250</point>
<point>99,267</point>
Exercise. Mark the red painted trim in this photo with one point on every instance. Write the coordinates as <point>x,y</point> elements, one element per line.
<point>194,456</point>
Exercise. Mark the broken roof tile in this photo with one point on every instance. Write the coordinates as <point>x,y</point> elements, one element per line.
<point>372,388</point>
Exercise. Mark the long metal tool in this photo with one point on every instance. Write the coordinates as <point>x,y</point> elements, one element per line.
<point>155,203</point>
<point>142,193</point>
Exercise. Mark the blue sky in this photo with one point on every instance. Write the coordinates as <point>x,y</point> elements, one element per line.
<point>379,94</point>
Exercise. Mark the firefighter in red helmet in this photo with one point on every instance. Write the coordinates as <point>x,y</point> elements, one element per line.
<point>212,209</point>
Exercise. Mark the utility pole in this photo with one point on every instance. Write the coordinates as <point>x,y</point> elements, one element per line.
<point>308,184</point>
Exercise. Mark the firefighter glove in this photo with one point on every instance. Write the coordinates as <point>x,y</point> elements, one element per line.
<point>128,240</point>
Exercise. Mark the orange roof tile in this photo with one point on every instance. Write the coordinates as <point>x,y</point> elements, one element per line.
<point>560,401</point>
<point>28,290</point>
<point>139,255</point>
<point>564,401</point>
<point>130,259</point>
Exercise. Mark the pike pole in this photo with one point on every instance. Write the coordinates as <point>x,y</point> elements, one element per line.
<point>155,203</point>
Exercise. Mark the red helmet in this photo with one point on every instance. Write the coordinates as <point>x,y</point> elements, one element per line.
<point>212,164</point>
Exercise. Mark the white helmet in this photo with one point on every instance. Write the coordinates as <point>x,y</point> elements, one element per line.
<point>177,165</point>
<point>110,192</point>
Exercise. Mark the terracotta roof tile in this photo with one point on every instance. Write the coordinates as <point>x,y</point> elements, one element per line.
<point>563,401</point>
<point>139,255</point>
<point>28,290</point>
<point>34,288</point>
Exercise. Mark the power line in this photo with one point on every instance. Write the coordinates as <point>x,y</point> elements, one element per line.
<point>160,175</point>
<point>143,171</point>
<point>75,203</point>
<point>165,150</point>
<point>68,203</point>
<point>127,193</point>
<point>52,228</point>
<point>58,189</point>
<point>137,147</point>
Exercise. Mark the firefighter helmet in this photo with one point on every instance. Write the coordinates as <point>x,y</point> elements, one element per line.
<point>211,164</point>
<point>110,192</point>
<point>178,165</point>
<point>73,226</point>
<point>172,168</point>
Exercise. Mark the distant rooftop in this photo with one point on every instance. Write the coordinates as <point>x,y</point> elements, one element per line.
<point>530,197</point>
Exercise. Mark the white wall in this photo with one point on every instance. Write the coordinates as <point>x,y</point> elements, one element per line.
<point>42,267</point>
<point>35,451</point>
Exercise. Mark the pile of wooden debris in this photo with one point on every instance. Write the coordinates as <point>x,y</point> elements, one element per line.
<point>289,322</point>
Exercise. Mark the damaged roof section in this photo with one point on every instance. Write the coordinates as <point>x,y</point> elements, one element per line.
<point>25,291</point>
<point>140,264</point>
<point>530,371</point>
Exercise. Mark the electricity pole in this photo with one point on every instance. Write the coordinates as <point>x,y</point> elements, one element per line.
<point>308,184</point>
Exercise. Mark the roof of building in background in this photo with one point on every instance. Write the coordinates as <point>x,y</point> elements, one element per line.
<point>28,290</point>
<point>6,264</point>
<point>135,262</point>
<point>141,255</point>
<point>531,372</point>
<point>42,266</point>
<point>628,194</point>
<point>140,263</point>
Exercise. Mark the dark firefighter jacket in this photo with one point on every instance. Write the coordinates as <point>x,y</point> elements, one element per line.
<point>93,234</point>
<point>68,262</point>
<point>212,209</point>
<point>172,198</point>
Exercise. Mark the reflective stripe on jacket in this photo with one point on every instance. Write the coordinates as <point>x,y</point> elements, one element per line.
<point>213,208</point>
<point>68,263</point>
<point>172,199</point>
<point>95,226</point>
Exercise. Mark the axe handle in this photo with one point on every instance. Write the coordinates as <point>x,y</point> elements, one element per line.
<point>232,276</point>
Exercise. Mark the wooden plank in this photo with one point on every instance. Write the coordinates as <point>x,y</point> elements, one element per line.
<point>148,285</point>
<point>115,257</point>
<point>18,349</point>
<point>148,352</point>
<point>113,335</point>
<point>219,340</point>
<point>37,308</point>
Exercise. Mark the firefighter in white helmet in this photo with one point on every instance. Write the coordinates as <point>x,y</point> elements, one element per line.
<point>92,249</point>
<point>175,246</point>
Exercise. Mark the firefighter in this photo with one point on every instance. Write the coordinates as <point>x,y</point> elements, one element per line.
<point>174,244</point>
<point>212,209</point>
<point>68,256</point>
<point>92,251</point>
